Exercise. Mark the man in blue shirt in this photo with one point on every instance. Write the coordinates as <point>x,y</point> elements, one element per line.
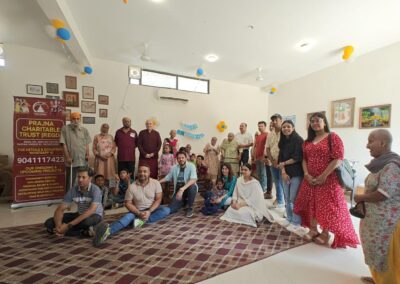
<point>90,210</point>
<point>185,188</point>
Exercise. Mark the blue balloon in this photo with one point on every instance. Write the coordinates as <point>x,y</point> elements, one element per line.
<point>88,70</point>
<point>63,34</point>
<point>199,71</point>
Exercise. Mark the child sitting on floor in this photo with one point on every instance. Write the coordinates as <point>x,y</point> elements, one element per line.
<point>106,198</point>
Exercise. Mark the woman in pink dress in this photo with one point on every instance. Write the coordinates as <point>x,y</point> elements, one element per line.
<point>104,150</point>
<point>321,199</point>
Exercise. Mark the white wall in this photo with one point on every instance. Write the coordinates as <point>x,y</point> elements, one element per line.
<point>233,103</point>
<point>372,79</point>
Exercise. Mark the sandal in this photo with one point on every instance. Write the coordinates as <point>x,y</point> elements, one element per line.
<point>322,239</point>
<point>311,235</point>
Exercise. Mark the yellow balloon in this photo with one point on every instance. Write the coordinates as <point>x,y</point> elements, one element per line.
<point>126,1</point>
<point>57,24</point>
<point>273,90</point>
<point>347,52</point>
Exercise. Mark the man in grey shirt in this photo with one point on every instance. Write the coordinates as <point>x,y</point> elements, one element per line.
<point>75,140</point>
<point>90,211</point>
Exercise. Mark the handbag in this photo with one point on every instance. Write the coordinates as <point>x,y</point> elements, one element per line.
<point>344,171</point>
<point>358,210</point>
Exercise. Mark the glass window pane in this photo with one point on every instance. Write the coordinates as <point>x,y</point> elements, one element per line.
<point>154,79</point>
<point>192,85</point>
<point>134,81</point>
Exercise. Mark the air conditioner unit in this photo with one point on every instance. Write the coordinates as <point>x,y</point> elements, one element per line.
<point>173,99</point>
<point>134,72</point>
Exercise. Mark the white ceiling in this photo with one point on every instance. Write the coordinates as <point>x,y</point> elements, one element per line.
<point>181,32</point>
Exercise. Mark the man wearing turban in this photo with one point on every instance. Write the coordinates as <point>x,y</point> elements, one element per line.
<point>75,140</point>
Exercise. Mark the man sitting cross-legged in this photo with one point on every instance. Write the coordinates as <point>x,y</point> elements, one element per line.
<point>143,200</point>
<point>90,211</point>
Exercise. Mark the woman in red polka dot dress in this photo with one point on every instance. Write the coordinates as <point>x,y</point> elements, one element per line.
<point>321,199</point>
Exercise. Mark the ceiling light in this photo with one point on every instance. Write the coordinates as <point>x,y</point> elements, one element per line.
<point>211,57</point>
<point>305,45</point>
<point>157,1</point>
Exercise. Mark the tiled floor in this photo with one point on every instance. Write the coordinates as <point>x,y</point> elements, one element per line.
<point>306,264</point>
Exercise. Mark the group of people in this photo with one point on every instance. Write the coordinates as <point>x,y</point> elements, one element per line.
<point>303,172</point>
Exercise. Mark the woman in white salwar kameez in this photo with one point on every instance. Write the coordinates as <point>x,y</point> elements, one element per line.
<point>248,205</point>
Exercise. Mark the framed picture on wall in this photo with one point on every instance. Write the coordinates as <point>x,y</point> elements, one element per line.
<point>309,116</point>
<point>375,116</point>
<point>70,82</point>
<point>88,107</point>
<point>342,113</point>
<point>88,120</point>
<point>103,112</point>
<point>71,99</point>
<point>88,93</point>
<point>52,88</point>
<point>67,114</point>
<point>103,100</point>
<point>34,89</point>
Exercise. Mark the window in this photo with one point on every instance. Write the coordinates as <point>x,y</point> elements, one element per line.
<point>193,85</point>
<point>171,81</point>
<point>154,79</point>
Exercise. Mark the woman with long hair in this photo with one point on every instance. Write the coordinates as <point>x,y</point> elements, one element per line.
<point>289,162</point>
<point>229,179</point>
<point>321,199</point>
<point>248,206</point>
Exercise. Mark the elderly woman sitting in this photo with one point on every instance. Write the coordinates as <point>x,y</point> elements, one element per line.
<point>380,229</point>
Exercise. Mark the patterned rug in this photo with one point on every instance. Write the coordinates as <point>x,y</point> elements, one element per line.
<point>174,250</point>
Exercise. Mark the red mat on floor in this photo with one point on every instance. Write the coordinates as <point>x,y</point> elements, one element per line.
<point>174,250</point>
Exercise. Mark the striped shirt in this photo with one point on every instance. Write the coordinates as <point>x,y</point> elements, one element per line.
<point>85,199</point>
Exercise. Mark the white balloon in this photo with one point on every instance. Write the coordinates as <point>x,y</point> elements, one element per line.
<point>51,31</point>
<point>1,50</point>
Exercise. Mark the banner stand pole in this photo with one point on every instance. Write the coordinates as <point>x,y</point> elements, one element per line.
<point>35,203</point>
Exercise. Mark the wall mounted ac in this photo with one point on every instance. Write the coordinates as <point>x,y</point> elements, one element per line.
<point>163,94</point>
<point>134,72</point>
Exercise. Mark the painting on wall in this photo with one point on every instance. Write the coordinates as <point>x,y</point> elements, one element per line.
<point>52,88</point>
<point>88,120</point>
<point>70,82</point>
<point>88,93</point>
<point>88,107</point>
<point>103,112</point>
<point>71,98</point>
<point>342,113</point>
<point>103,100</point>
<point>309,116</point>
<point>375,116</point>
<point>34,89</point>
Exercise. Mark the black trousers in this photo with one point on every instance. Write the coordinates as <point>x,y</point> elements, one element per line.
<point>77,229</point>
<point>244,159</point>
<point>269,178</point>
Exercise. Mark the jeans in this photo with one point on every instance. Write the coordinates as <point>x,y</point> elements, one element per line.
<point>291,189</point>
<point>277,178</point>
<point>262,174</point>
<point>188,198</point>
<point>77,229</point>
<point>127,220</point>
